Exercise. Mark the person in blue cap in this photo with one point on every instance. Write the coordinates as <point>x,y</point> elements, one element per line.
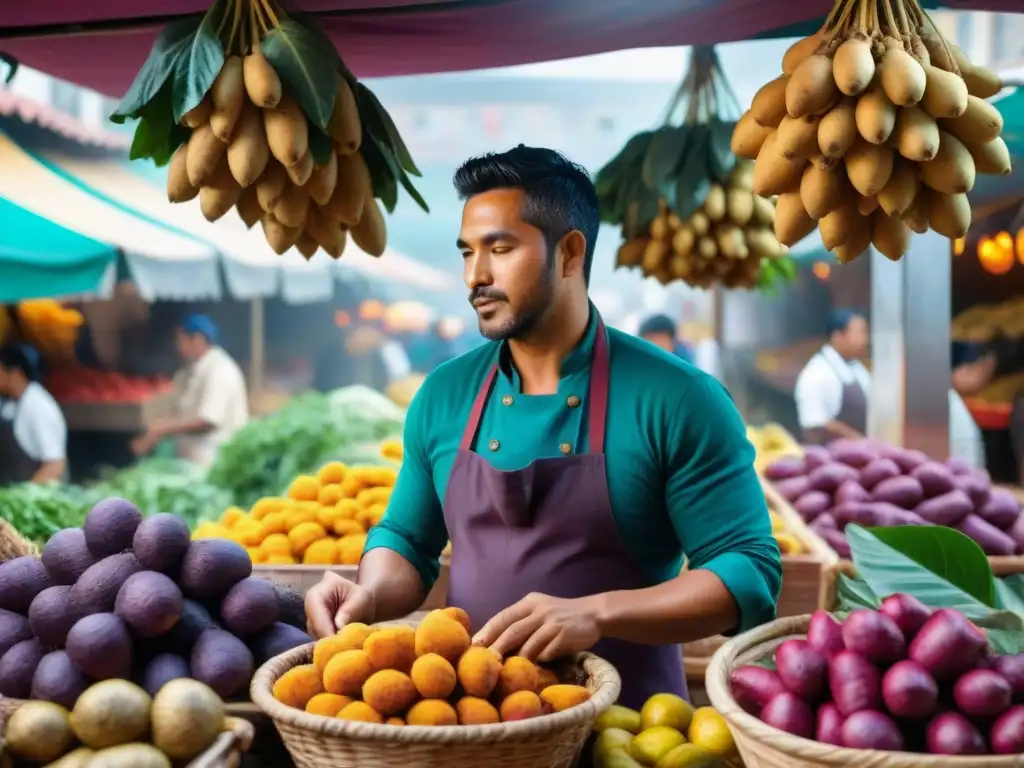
<point>33,432</point>
<point>210,398</point>
<point>661,331</point>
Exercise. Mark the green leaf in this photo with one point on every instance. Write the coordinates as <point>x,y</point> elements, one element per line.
<point>853,593</point>
<point>897,559</point>
<point>301,62</point>
<point>327,49</point>
<point>1005,641</point>
<point>663,156</point>
<point>200,63</point>
<point>320,145</point>
<point>170,45</point>
<point>1010,593</point>
<point>385,186</point>
<point>692,182</point>
<point>12,66</point>
<point>625,164</point>
<point>383,127</point>
<point>157,135</point>
<point>721,160</point>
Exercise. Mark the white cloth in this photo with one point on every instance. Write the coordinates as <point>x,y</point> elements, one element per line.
<point>965,441</point>
<point>212,389</point>
<point>39,425</point>
<point>819,387</point>
<point>396,360</point>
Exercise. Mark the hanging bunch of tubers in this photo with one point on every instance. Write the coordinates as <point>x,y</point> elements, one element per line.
<point>877,128</point>
<point>283,134</point>
<point>686,206</point>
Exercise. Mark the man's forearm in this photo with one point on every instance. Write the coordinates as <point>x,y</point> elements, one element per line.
<point>50,470</point>
<point>839,429</point>
<point>394,582</point>
<point>180,427</point>
<point>692,606</point>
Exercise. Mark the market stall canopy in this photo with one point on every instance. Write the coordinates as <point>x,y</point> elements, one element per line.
<point>47,117</point>
<point>251,268</point>
<point>39,258</point>
<point>154,253</point>
<point>104,42</point>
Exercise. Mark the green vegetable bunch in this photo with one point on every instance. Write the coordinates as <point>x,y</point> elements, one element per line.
<point>39,511</point>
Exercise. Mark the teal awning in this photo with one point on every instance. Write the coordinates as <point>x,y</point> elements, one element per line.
<point>40,259</point>
<point>1011,107</point>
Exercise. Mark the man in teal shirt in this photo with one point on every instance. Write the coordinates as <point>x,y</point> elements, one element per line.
<point>574,468</point>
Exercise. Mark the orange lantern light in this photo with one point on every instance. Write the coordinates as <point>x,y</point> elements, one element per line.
<point>371,309</point>
<point>1020,245</point>
<point>959,245</point>
<point>1005,240</point>
<point>821,270</point>
<point>994,258</point>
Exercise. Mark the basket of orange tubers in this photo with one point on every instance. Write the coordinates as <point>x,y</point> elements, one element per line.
<point>407,694</point>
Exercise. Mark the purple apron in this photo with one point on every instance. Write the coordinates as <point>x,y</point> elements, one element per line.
<point>549,528</point>
<point>853,413</point>
<point>16,466</point>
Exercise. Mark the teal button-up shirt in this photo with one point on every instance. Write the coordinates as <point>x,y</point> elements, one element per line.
<point>679,465</point>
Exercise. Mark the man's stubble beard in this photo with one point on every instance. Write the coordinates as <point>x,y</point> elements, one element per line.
<point>526,321</point>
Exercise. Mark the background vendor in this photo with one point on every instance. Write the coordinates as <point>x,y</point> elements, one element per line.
<point>210,398</point>
<point>33,433</point>
<point>574,467</point>
<point>832,390</point>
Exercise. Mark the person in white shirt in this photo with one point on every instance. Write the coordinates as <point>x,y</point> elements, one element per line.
<point>33,433</point>
<point>972,372</point>
<point>210,398</point>
<point>832,390</point>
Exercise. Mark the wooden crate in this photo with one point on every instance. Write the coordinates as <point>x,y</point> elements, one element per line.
<point>806,582</point>
<point>302,577</point>
<point>117,417</point>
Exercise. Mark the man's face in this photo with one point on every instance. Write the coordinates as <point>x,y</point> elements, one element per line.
<point>663,340</point>
<point>507,265</point>
<point>186,345</point>
<point>855,337</point>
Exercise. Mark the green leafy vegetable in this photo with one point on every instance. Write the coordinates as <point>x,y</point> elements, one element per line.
<point>297,55</point>
<point>198,65</point>
<point>39,511</point>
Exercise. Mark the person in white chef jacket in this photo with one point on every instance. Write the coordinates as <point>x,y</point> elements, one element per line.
<point>210,398</point>
<point>833,389</point>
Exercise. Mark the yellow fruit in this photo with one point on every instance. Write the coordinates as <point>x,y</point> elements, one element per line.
<point>261,81</point>
<point>179,188</point>
<point>769,104</point>
<point>709,731</point>
<point>688,756</point>
<point>227,97</point>
<point>812,88</point>
<point>287,131</point>
<point>666,709</point>
<point>652,744</point>
<point>204,153</point>
<point>304,488</point>
<point>853,65</point>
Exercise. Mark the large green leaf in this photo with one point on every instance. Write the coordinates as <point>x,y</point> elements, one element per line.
<point>663,155</point>
<point>853,593</point>
<point>383,127</point>
<point>157,134</point>
<point>721,160</point>
<point>299,57</point>
<point>382,173</point>
<point>320,145</point>
<point>200,63</point>
<point>692,182</point>
<point>1010,593</point>
<point>327,49</point>
<point>952,566</point>
<point>170,45</point>
<point>626,163</point>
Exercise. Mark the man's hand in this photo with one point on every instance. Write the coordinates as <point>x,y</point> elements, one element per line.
<point>543,628</point>
<point>335,602</point>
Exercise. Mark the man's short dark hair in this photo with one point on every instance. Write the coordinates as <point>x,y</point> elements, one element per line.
<point>21,358</point>
<point>839,320</point>
<point>560,195</point>
<point>658,324</point>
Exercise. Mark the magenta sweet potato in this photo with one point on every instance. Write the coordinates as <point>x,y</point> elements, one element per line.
<point>784,468</point>
<point>906,459</point>
<point>888,515</point>
<point>976,484</point>
<point>1001,510</point>
<point>877,471</point>
<point>853,453</point>
<point>835,539</point>
<point>851,490</point>
<point>829,477</point>
<point>948,509</point>
<point>815,456</point>
<point>991,540</point>
<point>934,477</point>
<point>858,512</point>
<point>812,504</point>
<point>792,488</point>
<point>904,492</point>
<point>825,521</point>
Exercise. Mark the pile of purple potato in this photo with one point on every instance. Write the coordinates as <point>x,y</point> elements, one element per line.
<point>124,597</point>
<point>900,679</point>
<point>874,484</point>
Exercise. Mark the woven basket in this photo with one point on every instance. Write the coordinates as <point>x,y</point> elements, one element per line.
<point>552,741</point>
<point>13,544</point>
<point>225,752</point>
<point>762,746</point>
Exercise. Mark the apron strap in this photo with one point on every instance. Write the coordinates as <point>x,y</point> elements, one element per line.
<point>597,397</point>
<point>476,412</point>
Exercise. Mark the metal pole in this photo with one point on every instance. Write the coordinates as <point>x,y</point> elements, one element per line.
<point>910,320</point>
<point>257,337</point>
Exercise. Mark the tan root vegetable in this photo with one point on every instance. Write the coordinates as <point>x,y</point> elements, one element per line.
<point>179,188</point>
<point>902,108</point>
<point>228,97</point>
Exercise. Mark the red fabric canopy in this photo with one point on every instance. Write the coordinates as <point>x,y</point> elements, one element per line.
<point>403,37</point>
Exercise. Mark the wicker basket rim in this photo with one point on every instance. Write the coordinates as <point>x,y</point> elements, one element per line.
<point>604,677</point>
<point>761,641</point>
